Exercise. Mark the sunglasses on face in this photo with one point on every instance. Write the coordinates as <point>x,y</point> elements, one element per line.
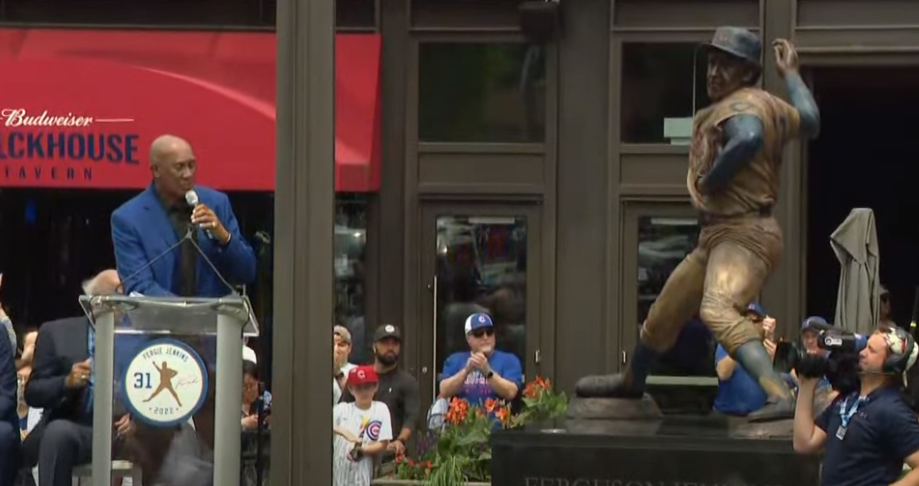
<point>364,387</point>
<point>483,332</point>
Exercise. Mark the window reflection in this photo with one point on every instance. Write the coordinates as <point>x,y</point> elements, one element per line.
<point>199,13</point>
<point>478,92</point>
<point>663,84</point>
<point>662,245</point>
<point>481,267</point>
<point>350,259</point>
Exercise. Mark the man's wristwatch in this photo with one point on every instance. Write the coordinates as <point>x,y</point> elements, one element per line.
<point>490,374</point>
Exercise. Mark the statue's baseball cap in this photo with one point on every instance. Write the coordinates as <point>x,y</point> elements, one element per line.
<point>478,320</point>
<point>362,375</point>
<point>387,331</point>
<point>738,42</point>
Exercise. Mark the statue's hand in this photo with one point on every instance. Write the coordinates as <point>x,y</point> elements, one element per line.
<point>786,56</point>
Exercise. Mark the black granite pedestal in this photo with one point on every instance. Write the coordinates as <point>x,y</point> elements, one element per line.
<point>674,451</point>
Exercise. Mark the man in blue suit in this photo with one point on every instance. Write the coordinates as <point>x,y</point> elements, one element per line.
<point>9,420</point>
<point>144,229</point>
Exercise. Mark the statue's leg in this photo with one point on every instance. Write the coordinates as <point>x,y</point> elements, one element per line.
<point>738,265</point>
<point>678,301</point>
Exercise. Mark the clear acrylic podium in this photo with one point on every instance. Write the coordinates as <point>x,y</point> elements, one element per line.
<point>229,318</point>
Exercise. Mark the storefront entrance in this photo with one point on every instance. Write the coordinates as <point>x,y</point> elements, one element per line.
<point>474,259</point>
<point>866,156</point>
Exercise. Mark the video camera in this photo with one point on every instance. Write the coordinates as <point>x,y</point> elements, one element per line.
<point>839,363</point>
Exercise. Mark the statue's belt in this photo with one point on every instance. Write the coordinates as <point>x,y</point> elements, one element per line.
<point>706,219</point>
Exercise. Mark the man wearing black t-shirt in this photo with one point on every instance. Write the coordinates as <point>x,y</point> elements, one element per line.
<point>868,435</point>
<point>398,389</point>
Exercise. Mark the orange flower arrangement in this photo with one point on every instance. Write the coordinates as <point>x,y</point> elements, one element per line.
<point>541,403</point>
<point>461,452</point>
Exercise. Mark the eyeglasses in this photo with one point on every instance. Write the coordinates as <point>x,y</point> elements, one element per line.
<point>483,332</point>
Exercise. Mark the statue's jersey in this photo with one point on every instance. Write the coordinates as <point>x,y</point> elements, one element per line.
<point>756,185</point>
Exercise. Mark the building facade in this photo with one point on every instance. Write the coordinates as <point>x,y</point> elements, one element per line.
<point>543,180</point>
<point>596,168</point>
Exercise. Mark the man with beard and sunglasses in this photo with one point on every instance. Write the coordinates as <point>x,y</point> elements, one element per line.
<point>397,389</point>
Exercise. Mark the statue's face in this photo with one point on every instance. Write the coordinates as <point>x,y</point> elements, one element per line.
<point>726,74</point>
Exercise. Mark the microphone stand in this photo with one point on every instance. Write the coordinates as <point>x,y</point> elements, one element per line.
<point>260,410</point>
<point>915,315</point>
<point>188,236</point>
<point>190,233</point>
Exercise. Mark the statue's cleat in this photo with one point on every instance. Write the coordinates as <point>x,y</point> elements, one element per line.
<point>776,408</point>
<point>606,386</point>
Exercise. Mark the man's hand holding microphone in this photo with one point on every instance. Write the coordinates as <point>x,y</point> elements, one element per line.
<point>206,219</point>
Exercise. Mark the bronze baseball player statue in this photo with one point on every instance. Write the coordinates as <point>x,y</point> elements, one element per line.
<point>733,180</point>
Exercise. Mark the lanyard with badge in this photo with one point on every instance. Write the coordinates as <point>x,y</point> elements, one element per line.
<point>845,416</point>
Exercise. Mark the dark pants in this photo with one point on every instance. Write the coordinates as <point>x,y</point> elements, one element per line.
<point>10,462</point>
<point>62,445</point>
<point>724,273</point>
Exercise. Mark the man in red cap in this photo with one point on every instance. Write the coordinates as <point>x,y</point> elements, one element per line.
<point>362,429</point>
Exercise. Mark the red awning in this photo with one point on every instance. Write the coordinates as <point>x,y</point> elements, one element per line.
<point>79,108</point>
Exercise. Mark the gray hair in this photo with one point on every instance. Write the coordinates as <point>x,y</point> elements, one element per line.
<point>100,284</point>
<point>343,333</point>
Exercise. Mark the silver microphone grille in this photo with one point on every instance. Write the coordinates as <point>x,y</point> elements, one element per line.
<point>191,197</point>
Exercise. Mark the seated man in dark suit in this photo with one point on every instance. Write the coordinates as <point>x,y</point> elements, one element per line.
<point>144,229</point>
<point>61,384</point>
<point>9,418</point>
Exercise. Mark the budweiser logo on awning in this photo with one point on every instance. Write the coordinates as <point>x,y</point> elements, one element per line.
<point>19,117</point>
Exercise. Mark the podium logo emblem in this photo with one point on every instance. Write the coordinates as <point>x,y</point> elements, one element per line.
<point>165,383</point>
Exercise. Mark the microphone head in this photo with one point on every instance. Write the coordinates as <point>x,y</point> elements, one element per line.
<point>191,197</point>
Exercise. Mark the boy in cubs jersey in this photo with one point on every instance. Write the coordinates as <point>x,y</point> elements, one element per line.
<point>362,429</point>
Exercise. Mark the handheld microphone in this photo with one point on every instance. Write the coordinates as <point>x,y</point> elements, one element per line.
<point>915,315</point>
<point>191,197</point>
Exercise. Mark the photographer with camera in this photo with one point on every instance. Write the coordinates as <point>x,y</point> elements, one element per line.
<point>869,431</point>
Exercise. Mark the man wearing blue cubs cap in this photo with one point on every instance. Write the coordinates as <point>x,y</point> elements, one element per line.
<point>810,331</point>
<point>738,393</point>
<point>482,372</point>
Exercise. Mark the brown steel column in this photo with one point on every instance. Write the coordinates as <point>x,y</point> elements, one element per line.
<point>304,207</point>
<point>783,296</point>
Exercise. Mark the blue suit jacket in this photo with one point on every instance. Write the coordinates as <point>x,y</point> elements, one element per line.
<point>141,231</point>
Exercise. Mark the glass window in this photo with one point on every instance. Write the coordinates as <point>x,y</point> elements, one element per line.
<point>355,14</point>
<point>350,260</point>
<point>663,84</point>
<point>142,12</point>
<point>476,92</point>
<point>662,244</point>
<point>255,213</point>
<point>205,13</point>
<point>481,267</point>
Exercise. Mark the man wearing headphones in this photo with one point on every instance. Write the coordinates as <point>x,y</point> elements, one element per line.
<point>868,435</point>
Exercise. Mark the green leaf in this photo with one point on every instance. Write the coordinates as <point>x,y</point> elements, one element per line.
<point>474,437</point>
